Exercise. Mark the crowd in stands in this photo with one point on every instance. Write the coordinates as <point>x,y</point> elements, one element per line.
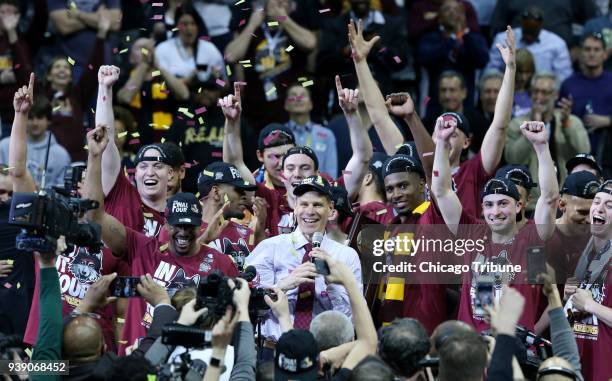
<point>243,159</point>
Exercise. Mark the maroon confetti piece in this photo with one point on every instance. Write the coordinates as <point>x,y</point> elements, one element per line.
<point>164,91</point>
<point>17,66</point>
<point>347,172</point>
<point>216,154</point>
<point>428,154</point>
<point>271,137</point>
<point>187,165</point>
<point>157,17</point>
<point>205,38</point>
<point>427,99</point>
<point>115,50</point>
<point>131,170</point>
<point>322,135</point>
<point>281,18</point>
<point>435,173</point>
<point>397,59</point>
<point>133,141</point>
<point>200,110</point>
<point>191,123</point>
<point>104,98</point>
<point>7,285</point>
<point>240,83</point>
<point>90,66</point>
<point>220,82</point>
<point>382,50</point>
<point>242,22</point>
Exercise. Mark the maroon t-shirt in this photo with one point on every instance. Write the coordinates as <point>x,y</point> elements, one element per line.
<point>468,181</point>
<point>509,253</point>
<point>280,215</point>
<point>169,270</point>
<point>235,240</point>
<point>123,202</point>
<point>77,271</point>
<point>593,336</point>
<point>563,253</point>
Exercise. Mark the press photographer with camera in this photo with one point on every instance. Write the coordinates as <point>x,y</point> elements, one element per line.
<point>285,261</point>
<point>179,264</point>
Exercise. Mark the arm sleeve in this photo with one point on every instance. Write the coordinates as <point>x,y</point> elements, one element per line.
<point>500,368</point>
<point>50,329</point>
<point>563,341</point>
<point>246,355</point>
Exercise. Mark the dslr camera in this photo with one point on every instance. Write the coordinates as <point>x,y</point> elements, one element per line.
<point>53,212</point>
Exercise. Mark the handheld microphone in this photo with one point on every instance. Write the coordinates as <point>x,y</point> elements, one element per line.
<point>317,238</point>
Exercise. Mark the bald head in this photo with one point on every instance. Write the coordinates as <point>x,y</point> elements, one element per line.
<point>446,330</point>
<point>559,369</point>
<point>83,340</point>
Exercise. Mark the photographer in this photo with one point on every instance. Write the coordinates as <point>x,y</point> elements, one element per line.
<point>179,264</point>
<point>285,261</point>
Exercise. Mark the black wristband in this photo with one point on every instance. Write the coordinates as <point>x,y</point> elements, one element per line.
<point>216,362</point>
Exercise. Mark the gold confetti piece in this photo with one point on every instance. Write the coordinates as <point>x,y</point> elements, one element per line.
<point>302,79</point>
<point>148,215</point>
<point>122,341</point>
<point>9,261</point>
<point>198,195</point>
<point>239,2</point>
<point>225,198</point>
<point>208,173</point>
<point>273,23</point>
<point>28,352</point>
<point>122,134</point>
<point>136,135</point>
<point>398,146</point>
<point>155,73</point>
<point>381,212</point>
<point>73,5</point>
<point>127,38</point>
<point>85,147</point>
<point>244,61</point>
<point>247,65</point>
<point>123,51</point>
<point>228,69</point>
<point>120,320</point>
<point>252,239</point>
<point>199,90</point>
<point>152,124</point>
<point>18,285</point>
<point>93,111</point>
<point>289,48</point>
<point>271,91</point>
<point>200,120</point>
<point>71,61</point>
<point>307,83</point>
<point>221,220</point>
<point>165,127</point>
<point>163,247</point>
<point>163,140</point>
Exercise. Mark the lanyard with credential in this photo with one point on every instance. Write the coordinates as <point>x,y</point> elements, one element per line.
<point>273,41</point>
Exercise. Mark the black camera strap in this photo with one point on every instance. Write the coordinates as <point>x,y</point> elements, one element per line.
<point>44,174</point>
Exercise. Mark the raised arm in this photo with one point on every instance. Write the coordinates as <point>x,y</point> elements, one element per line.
<point>304,38</point>
<point>237,48</point>
<point>494,141</point>
<point>18,148</point>
<point>446,200</point>
<point>111,160</point>
<point>232,142</point>
<point>402,106</point>
<point>357,166</point>
<point>113,231</point>
<point>546,207</point>
<point>389,134</point>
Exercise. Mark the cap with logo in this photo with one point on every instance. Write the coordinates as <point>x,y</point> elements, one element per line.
<point>341,200</point>
<point>581,184</point>
<point>174,154</point>
<point>500,186</point>
<point>274,135</point>
<point>582,158</point>
<point>402,163</point>
<point>160,155</point>
<point>183,209</point>
<point>519,174</point>
<point>304,150</point>
<point>296,356</point>
<point>462,122</point>
<point>409,148</point>
<point>223,173</point>
<point>377,162</point>
<point>313,183</point>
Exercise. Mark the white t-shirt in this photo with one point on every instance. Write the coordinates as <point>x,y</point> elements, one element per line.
<point>173,57</point>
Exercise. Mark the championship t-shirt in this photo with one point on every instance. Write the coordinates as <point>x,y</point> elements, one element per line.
<point>123,202</point>
<point>511,253</point>
<point>77,271</point>
<point>593,335</point>
<point>173,272</point>
<point>235,240</point>
<point>468,181</point>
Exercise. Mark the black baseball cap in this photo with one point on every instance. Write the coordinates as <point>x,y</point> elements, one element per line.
<point>341,200</point>
<point>581,184</point>
<point>582,158</point>
<point>274,135</point>
<point>313,183</point>
<point>532,12</point>
<point>519,174</point>
<point>160,156</point>
<point>462,122</point>
<point>377,164</point>
<point>402,163</point>
<point>304,150</point>
<point>408,148</point>
<point>183,209</point>
<point>174,154</point>
<point>220,172</point>
<point>501,185</point>
<point>296,356</point>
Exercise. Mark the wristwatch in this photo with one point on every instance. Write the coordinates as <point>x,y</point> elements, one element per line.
<point>214,361</point>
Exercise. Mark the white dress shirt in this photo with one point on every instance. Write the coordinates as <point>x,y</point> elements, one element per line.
<point>274,258</point>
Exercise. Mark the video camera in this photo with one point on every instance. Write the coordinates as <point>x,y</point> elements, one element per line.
<point>53,212</point>
<point>215,294</point>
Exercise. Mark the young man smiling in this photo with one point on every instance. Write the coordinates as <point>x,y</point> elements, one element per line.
<point>506,244</point>
<point>180,263</point>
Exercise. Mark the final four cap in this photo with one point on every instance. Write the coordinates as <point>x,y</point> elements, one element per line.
<point>313,183</point>
<point>341,200</point>
<point>402,163</point>
<point>582,158</point>
<point>183,209</point>
<point>296,356</point>
<point>462,122</point>
<point>501,185</point>
<point>304,150</point>
<point>160,154</point>
<point>223,173</point>
<point>274,135</point>
<point>377,164</point>
<point>581,184</point>
<point>519,174</point>
<point>408,148</point>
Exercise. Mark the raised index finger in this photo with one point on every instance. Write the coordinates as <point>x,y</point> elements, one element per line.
<point>237,91</point>
<point>338,84</point>
<point>31,84</point>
